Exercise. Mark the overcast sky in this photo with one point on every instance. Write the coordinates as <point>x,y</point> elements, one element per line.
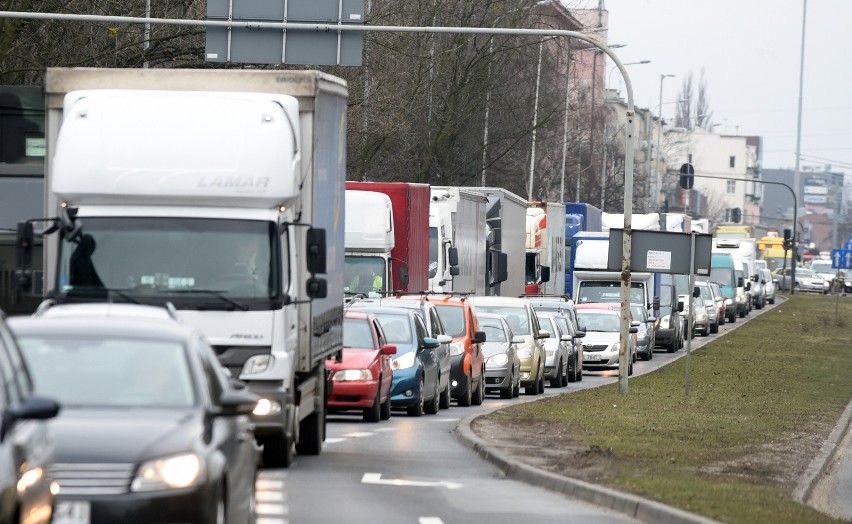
<point>750,52</point>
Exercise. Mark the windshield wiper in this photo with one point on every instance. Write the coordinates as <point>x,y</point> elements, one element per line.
<point>213,293</point>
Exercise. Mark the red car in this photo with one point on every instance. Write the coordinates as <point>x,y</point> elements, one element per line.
<point>362,378</point>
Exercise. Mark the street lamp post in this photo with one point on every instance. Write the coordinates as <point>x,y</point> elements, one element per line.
<point>657,181</point>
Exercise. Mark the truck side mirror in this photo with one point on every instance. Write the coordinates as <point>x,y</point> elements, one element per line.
<point>453,256</point>
<point>748,286</point>
<point>655,304</point>
<point>315,248</point>
<point>740,282</point>
<point>545,274</point>
<point>316,287</point>
<point>680,306</point>
<point>454,270</point>
<point>502,267</point>
<point>24,245</point>
<point>403,276</point>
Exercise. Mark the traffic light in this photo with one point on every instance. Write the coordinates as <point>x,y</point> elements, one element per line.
<point>788,240</point>
<point>736,215</point>
<point>687,177</point>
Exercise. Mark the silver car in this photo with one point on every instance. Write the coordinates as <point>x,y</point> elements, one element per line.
<point>806,280</point>
<point>768,286</point>
<point>559,348</point>
<point>702,317</point>
<point>711,305</point>
<point>500,350</point>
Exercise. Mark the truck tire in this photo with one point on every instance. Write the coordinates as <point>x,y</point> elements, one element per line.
<point>278,451</point>
<point>312,428</point>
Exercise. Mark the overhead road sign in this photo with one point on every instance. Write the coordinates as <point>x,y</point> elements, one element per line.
<point>841,258</point>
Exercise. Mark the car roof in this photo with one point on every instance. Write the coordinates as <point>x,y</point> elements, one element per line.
<point>499,301</point>
<point>129,320</point>
<point>390,310</point>
<point>600,306</point>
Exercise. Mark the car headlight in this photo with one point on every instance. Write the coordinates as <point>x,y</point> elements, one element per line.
<point>456,348</point>
<point>499,359</point>
<point>525,353</point>
<point>739,298</point>
<point>404,362</point>
<point>848,283</point>
<point>347,375</point>
<point>702,316</point>
<point>709,309</point>
<point>664,322</point>
<point>175,472</point>
<point>257,364</point>
<point>729,302</point>
<point>826,284</point>
<point>616,347</point>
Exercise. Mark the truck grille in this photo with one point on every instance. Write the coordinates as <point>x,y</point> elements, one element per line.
<point>93,479</point>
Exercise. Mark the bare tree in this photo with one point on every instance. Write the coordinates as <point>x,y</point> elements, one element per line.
<point>704,115</point>
<point>694,111</point>
<point>683,115</point>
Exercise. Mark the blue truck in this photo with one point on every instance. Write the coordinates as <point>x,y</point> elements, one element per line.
<point>579,217</point>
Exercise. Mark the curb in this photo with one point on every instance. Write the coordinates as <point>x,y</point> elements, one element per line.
<point>629,504</point>
<point>827,454</point>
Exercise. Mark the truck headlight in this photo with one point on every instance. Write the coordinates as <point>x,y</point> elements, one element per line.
<point>266,407</point>
<point>351,375</point>
<point>456,348</point>
<point>175,472</point>
<point>257,364</point>
<point>739,298</point>
<point>404,362</point>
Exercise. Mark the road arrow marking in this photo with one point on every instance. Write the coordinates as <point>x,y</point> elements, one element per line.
<point>376,478</point>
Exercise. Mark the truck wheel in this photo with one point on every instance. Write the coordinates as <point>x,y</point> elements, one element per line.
<point>278,451</point>
<point>374,412</point>
<point>312,429</point>
<point>479,393</point>
<point>444,402</point>
<point>465,399</point>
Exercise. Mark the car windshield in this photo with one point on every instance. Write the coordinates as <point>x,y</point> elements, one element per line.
<point>358,334</point>
<point>493,329</point>
<point>822,267</point>
<point>397,328</point>
<point>806,273</point>
<point>546,324</point>
<point>453,319</point>
<point>598,321</point>
<point>516,317</point>
<point>103,372</point>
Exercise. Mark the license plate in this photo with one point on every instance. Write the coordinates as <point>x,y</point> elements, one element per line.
<point>72,512</point>
<point>591,357</point>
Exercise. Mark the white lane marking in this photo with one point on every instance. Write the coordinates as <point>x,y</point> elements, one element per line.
<point>384,430</point>
<point>333,440</point>
<point>376,478</point>
<point>265,520</point>
<point>430,520</point>
<point>444,419</point>
<point>271,509</point>
<point>268,485</point>
<point>269,496</point>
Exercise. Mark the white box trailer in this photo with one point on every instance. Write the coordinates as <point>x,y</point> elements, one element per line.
<point>545,248</point>
<point>210,190</point>
<point>456,241</point>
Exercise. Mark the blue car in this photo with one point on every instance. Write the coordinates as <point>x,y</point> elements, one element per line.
<point>415,365</point>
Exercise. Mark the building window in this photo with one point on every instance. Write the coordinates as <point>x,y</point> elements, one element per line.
<point>732,161</point>
<point>732,186</point>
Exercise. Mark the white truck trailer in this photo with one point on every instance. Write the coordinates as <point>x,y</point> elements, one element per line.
<point>505,256</point>
<point>456,241</point>
<point>545,249</point>
<point>221,193</point>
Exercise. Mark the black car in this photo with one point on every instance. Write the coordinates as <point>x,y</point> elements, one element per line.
<point>151,430</point>
<point>26,451</point>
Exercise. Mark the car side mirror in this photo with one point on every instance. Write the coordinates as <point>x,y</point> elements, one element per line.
<point>478,337</point>
<point>543,333</point>
<point>444,339</point>
<point>579,334</point>
<point>696,292</point>
<point>430,343</point>
<point>389,349</point>
<point>32,408</point>
<point>762,281</point>
<point>566,338</point>
<point>236,402</point>
<point>633,330</point>
<point>651,320</point>
<point>635,323</point>
<point>517,339</point>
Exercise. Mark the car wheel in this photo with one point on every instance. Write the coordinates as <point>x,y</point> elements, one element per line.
<point>556,381</point>
<point>630,368</point>
<point>571,376</point>
<point>433,406</point>
<point>278,451</point>
<point>374,412</point>
<point>650,353</point>
<point>479,393</point>
<point>772,300</point>
<point>673,346</point>
<point>541,379</point>
<point>516,388</point>
<point>386,408</point>
<point>444,402</point>
<point>714,328</point>
<point>509,390</point>
<point>465,398</point>
<point>219,507</point>
<point>417,409</point>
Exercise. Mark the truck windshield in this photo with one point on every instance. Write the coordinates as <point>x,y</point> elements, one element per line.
<point>609,291</point>
<point>778,263</point>
<point>364,275</point>
<point>187,261</point>
<point>721,275</point>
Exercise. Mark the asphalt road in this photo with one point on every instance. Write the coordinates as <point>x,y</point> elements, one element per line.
<point>412,470</point>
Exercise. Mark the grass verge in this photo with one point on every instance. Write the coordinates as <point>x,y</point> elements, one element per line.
<point>762,401</point>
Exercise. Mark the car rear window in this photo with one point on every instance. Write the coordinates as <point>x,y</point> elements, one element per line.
<point>358,334</point>
<point>453,319</point>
